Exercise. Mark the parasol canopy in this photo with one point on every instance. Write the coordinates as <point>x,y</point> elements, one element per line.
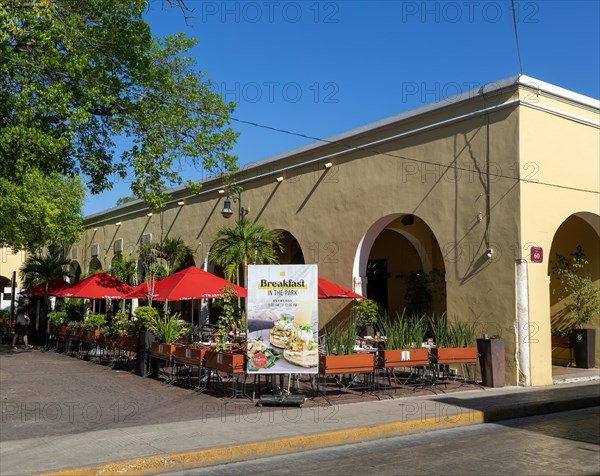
<point>141,290</point>
<point>329,290</point>
<point>193,283</point>
<point>57,284</point>
<point>98,286</point>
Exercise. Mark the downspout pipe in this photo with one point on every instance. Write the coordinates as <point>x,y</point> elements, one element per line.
<point>523,323</point>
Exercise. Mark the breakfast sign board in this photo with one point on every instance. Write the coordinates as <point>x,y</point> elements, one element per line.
<point>282,317</point>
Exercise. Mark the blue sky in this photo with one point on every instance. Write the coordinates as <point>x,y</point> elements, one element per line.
<point>323,67</point>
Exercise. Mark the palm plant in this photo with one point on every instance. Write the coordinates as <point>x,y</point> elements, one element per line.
<point>235,248</point>
<point>42,267</point>
<point>175,252</point>
<point>124,269</point>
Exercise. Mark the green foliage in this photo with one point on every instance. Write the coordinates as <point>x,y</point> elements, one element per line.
<point>452,334</point>
<point>123,268</point>
<point>421,287</point>
<point>243,244</point>
<point>367,312</point>
<point>341,339</point>
<point>231,319</point>
<point>145,315</point>
<point>93,321</point>
<point>40,209</point>
<point>176,253</point>
<point>403,332</point>
<point>166,328</point>
<point>42,267</point>
<point>74,74</point>
<point>74,309</point>
<point>582,297</point>
<point>56,318</point>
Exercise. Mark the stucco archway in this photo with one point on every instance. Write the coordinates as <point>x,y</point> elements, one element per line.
<point>580,229</point>
<point>292,251</point>
<point>396,255</point>
<point>74,271</point>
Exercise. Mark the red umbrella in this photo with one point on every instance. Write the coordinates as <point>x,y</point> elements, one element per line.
<point>57,284</point>
<point>98,286</point>
<point>141,290</point>
<point>193,283</point>
<point>329,290</point>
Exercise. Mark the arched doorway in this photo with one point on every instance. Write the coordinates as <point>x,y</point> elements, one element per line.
<point>577,236</point>
<point>95,265</point>
<point>74,271</point>
<point>291,252</point>
<point>403,265</point>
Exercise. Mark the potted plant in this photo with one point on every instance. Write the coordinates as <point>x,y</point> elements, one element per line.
<point>56,320</point>
<point>339,356</point>
<point>228,358</point>
<point>91,326</point>
<point>366,313</point>
<point>455,341</point>
<point>582,304</point>
<point>402,344</point>
<point>167,330</point>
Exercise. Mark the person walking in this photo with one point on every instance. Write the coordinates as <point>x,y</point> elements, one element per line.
<point>21,325</point>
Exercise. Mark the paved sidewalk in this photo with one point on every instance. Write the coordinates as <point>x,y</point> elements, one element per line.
<point>213,432</point>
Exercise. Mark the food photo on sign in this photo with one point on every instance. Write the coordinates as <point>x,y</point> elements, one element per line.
<point>282,318</point>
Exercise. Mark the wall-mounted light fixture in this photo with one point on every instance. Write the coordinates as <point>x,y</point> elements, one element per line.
<point>227,211</point>
<point>95,229</point>
<point>181,203</point>
<point>221,191</point>
<point>489,253</point>
<point>279,179</point>
<point>328,165</point>
<point>149,214</point>
<point>407,220</point>
<point>118,223</point>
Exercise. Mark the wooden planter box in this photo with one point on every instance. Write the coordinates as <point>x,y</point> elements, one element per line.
<point>91,335</point>
<point>402,358</point>
<point>127,343</point>
<point>162,350</point>
<point>75,334</point>
<point>61,331</point>
<point>229,362</point>
<point>345,364</point>
<point>189,355</point>
<point>454,355</point>
<point>107,342</point>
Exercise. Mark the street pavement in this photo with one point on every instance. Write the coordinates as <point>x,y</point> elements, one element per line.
<point>551,445</point>
<point>67,416</point>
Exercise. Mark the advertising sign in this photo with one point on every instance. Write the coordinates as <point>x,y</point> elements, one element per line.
<point>282,319</point>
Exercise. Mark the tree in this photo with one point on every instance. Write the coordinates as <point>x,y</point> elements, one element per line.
<point>45,210</point>
<point>246,243</point>
<point>42,267</point>
<point>124,269</point>
<point>76,74</point>
<point>175,253</point>
<point>583,298</point>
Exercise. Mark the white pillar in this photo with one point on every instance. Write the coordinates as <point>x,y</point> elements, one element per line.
<point>522,323</point>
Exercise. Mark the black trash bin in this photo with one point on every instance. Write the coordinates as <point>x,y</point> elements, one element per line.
<point>584,345</point>
<point>491,361</point>
<point>145,339</point>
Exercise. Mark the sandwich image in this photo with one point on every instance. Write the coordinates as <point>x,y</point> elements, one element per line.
<point>301,347</point>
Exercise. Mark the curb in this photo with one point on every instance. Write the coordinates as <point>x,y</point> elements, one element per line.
<point>263,449</point>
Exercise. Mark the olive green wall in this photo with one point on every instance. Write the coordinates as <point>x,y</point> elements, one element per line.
<point>432,165</point>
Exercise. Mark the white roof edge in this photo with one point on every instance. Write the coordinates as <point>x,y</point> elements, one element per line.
<point>560,92</point>
<point>488,88</point>
<point>512,81</point>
